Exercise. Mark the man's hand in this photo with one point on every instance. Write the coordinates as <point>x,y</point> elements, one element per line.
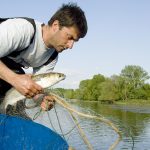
<point>22,82</point>
<point>26,86</point>
<point>48,103</point>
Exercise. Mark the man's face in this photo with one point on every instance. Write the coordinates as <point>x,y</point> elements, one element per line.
<point>64,38</point>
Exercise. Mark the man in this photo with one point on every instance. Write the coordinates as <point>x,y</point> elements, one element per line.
<point>65,27</point>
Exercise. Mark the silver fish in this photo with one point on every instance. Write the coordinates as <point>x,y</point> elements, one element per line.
<point>45,80</point>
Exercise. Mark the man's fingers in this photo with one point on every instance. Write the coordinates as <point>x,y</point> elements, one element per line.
<point>32,93</point>
<point>36,86</point>
<point>48,103</point>
<point>35,92</point>
<point>29,95</point>
<point>49,98</point>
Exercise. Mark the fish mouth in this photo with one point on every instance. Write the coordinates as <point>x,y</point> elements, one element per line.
<point>64,77</point>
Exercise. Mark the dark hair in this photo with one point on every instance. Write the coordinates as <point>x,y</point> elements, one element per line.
<point>71,15</point>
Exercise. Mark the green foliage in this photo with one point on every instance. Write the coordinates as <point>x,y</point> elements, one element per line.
<point>130,84</point>
<point>145,90</point>
<point>134,77</point>
<point>108,91</point>
<point>90,89</point>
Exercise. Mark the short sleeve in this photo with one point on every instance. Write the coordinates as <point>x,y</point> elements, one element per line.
<point>15,34</point>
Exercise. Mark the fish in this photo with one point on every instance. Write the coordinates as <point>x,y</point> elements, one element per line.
<point>45,80</point>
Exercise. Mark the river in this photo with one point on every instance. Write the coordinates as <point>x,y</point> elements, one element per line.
<point>132,121</point>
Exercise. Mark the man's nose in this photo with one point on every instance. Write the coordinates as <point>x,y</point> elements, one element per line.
<point>70,44</point>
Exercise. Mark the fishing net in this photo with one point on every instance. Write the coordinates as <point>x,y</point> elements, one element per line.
<point>70,122</point>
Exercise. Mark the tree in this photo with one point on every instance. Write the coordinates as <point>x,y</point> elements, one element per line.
<point>108,91</point>
<point>134,78</point>
<point>120,87</point>
<point>90,89</point>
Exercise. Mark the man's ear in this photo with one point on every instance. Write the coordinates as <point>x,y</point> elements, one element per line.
<point>55,25</point>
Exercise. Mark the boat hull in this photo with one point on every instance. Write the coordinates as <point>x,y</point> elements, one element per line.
<point>21,134</point>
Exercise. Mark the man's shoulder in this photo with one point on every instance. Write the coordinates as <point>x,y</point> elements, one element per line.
<point>19,32</point>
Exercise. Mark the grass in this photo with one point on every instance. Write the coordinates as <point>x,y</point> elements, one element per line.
<point>137,102</point>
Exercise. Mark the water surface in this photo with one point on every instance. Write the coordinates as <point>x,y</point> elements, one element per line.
<point>132,121</point>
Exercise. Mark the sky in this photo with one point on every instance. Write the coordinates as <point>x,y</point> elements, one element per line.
<point>118,35</point>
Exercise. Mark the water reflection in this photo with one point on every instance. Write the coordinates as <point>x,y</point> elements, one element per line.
<point>133,122</point>
<point>134,125</point>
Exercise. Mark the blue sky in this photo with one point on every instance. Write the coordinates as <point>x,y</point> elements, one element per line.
<point>118,35</point>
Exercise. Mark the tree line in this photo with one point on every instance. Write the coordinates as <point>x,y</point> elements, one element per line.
<point>129,84</point>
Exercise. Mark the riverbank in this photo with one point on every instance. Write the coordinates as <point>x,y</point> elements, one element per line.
<point>134,105</point>
<point>135,102</point>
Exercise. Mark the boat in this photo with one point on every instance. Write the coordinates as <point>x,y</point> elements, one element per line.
<point>22,134</point>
